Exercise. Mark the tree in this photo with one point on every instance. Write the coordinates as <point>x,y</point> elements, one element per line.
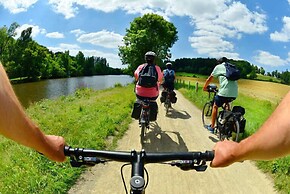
<point>262,71</point>
<point>80,63</point>
<point>6,37</point>
<point>148,33</point>
<point>253,75</point>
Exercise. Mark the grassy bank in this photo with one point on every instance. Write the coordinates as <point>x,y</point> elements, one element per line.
<point>87,119</point>
<point>257,111</point>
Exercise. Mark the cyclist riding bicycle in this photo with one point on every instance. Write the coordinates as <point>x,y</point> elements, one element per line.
<point>148,77</point>
<point>168,83</point>
<point>169,77</point>
<point>228,89</point>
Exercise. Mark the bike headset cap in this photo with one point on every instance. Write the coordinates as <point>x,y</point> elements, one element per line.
<point>150,56</point>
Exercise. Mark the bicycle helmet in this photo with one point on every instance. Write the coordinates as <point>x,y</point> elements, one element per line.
<point>168,64</point>
<point>223,59</point>
<point>150,56</point>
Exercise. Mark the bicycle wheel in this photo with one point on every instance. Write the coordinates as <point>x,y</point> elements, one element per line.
<point>167,105</point>
<point>234,134</point>
<point>206,114</point>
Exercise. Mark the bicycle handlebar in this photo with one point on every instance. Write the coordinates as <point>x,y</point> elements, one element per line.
<point>187,160</point>
<point>212,88</point>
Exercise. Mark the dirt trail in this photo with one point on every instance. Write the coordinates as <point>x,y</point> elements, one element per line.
<point>180,131</point>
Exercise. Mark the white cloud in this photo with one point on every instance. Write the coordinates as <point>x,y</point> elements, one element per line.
<point>17,6</point>
<point>266,58</point>
<point>35,30</point>
<point>65,7</point>
<point>54,35</point>
<point>213,32</point>
<point>77,32</point>
<point>284,35</point>
<point>224,19</point>
<point>102,38</point>
<point>73,48</point>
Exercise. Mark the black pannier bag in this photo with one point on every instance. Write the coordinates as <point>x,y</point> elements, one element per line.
<point>173,98</point>
<point>239,114</point>
<point>153,111</point>
<point>163,96</point>
<point>136,110</point>
<point>225,121</point>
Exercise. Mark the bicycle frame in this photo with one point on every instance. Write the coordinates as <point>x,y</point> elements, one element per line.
<point>188,160</point>
<point>145,111</point>
<point>144,118</point>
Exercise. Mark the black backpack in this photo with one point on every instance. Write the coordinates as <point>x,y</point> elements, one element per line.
<point>232,72</point>
<point>148,76</point>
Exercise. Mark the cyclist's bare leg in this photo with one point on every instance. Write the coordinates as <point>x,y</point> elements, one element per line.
<point>214,115</point>
<point>227,106</point>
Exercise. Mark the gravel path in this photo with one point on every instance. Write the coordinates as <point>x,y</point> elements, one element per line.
<point>181,130</point>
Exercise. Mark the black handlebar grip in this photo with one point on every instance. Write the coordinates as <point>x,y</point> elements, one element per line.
<point>209,155</point>
<point>66,150</point>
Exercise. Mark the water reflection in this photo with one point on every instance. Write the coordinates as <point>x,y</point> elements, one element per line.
<point>33,92</point>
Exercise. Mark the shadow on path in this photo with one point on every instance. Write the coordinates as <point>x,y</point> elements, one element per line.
<point>157,140</point>
<point>174,114</point>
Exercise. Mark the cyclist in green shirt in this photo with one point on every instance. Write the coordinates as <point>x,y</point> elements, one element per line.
<point>271,141</point>
<point>228,90</point>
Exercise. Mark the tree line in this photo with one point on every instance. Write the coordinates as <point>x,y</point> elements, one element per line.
<point>26,59</point>
<point>204,66</point>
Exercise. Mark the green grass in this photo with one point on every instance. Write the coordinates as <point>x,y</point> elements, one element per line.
<point>257,111</point>
<point>267,78</point>
<point>184,74</point>
<point>86,119</point>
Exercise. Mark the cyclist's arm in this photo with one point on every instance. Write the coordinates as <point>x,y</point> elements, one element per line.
<point>160,74</point>
<point>15,125</point>
<point>207,82</point>
<point>271,141</point>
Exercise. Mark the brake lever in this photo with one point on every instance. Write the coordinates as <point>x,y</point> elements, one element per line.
<point>88,161</point>
<point>186,165</point>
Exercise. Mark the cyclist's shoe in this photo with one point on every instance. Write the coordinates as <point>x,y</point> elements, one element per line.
<point>210,129</point>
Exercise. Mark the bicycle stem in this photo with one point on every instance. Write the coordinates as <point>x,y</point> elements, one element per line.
<point>137,181</point>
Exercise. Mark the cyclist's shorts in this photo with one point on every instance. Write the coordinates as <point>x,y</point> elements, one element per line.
<point>220,100</point>
<point>148,98</point>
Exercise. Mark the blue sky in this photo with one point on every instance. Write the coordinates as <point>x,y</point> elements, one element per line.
<point>254,30</point>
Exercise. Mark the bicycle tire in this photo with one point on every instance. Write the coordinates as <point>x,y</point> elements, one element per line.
<point>237,131</point>
<point>167,105</point>
<point>142,135</point>
<point>206,114</point>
